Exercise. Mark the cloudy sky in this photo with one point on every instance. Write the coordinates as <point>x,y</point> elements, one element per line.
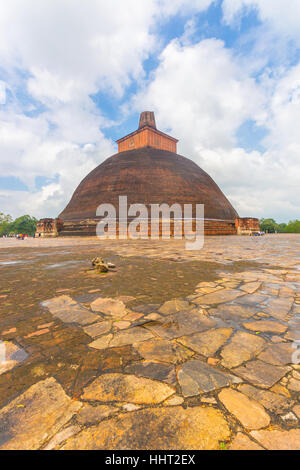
<point>223,76</point>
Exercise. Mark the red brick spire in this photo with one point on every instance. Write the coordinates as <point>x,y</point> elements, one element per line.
<point>147,136</point>
<point>147,118</point>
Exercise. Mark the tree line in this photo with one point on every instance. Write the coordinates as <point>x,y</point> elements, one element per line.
<point>27,225</point>
<point>271,226</point>
<point>24,224</point>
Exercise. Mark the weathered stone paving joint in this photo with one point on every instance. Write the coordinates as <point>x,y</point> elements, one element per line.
<point>212,369</point>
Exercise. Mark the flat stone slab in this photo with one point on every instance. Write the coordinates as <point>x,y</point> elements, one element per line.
<point>158,349</point>
<point>242,442</point>
<point>292,335</point>
<point>10,356</point>
<point>127,388</point>
<point>196,377</point>
<point>207,343</point>
<point>89,414</point>
<point>154,370</point>
<point>122,324</point>
<point>206,284</point>
<point>296,410</point>
<point>173,306</point>
<point>273,402</point>
<point>173,400</point>
<point>98,329</point>
<point>278,354</point>
<point>233,312</point>
<point>250,413</point>
<point>280,308</point>
<point>59,303</point>
<point>110,307</point>
<point>265,326</point>
<point>132,316</point>
<point>102,342</point>
<point>260,373</point>
<point>79,315</point>
<point>294,385</point>
<point>251,287</point>
<point>218,297</point>
<point>278,439</point>
<point>167,428</point>
<point>280,390</point>
<point>130,336</point>
<point>69,311</point>
<point>145,308</point>
<point>242,347</point>
<point>252,299</point>
<point>121,338</point>
<point>62,436</point>
<point>181,324</point>
<point>34,416</point>
<point>126,298</point>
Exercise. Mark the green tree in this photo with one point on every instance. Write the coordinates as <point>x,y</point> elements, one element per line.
<point>24,224</point>
<point>271,226</point>
<point>293,226</point>
<point>5,223</point>
<point>282,227</point>
<point>268,225</point>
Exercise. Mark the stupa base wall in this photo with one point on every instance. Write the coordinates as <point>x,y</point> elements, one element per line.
<point>48,228</point>
<point>57,228</point>
<point>246,226</point>
<point>211,227</point>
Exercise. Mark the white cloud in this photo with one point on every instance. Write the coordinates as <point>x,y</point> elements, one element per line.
<point>273,41</point>
<point>281,16</point>
<point>203,94</point>
<point>72,48</point>
<point>59,52</point>
<point>183,7</point>
<point>75,47</point>
<point>56,53</point>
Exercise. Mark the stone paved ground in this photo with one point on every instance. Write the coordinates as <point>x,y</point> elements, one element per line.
<point>172,350</point>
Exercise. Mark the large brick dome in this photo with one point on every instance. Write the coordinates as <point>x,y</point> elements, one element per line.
<point>147,175</point>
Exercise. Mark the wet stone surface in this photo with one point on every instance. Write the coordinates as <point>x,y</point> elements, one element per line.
<point>126,388</point>
<point>250,413</point>
<point>242,348</point>
<point>159,349</point>
<point>36,415</point>
<point>10,355</point>
<point>273,402</point>
<point>260,373</point>
<point>196,377</point>
<point>208,342</point>
<point>156,428</point>
<point>181,323</point>
<point>154,370</point>
<point>174,349</point>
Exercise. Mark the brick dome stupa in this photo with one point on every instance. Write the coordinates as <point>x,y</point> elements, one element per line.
<point>148,170</point>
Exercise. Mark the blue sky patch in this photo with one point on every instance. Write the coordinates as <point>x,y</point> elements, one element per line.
<point>249,136</point>
<point>12,183</point>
